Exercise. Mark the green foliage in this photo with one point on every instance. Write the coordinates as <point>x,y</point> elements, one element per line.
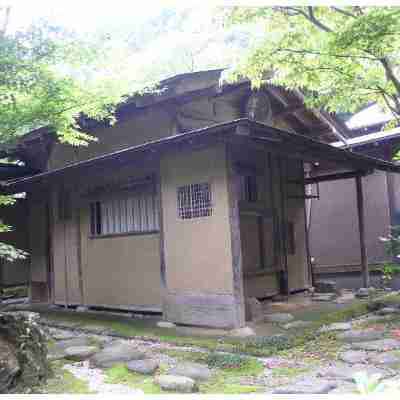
<point>279,342</point>
<point>368,384</point>
<point>226,361</point>
<point>392,249</point>
<point>51,77</point>
<point>341,58</point>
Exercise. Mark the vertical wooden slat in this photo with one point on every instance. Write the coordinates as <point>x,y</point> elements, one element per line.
<point>361,228</point>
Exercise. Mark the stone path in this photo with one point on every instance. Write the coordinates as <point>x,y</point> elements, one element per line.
<point>361,349</point>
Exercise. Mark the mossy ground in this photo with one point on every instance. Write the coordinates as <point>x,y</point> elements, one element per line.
<point>223,381</point>
<point>62,381</point>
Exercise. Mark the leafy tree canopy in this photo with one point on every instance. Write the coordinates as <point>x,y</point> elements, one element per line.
<point>49,76</point>
<point>341,58</point>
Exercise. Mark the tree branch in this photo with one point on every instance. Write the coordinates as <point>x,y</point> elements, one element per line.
<point>344,12</point>
<point>6,20</point>
<point>389,73</point>
<point>311,17</point>
<point>326,54</point>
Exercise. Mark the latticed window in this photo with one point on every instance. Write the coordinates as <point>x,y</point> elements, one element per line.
<point>194,201</point>
<point>133,212</point>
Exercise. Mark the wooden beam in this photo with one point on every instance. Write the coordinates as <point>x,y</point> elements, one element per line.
<point>236,244</point>
<point>361,227</point>
<point>335,177</point>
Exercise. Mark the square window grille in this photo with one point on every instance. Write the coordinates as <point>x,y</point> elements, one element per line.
<point>194,201</point>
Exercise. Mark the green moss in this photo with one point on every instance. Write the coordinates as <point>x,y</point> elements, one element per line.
<point>288,372</point>
<point>144,328</point>
<point>193,356</point>
<point>119,374</point>
<point>62,382</point>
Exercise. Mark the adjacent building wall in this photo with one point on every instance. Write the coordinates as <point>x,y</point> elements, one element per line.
<point>334,223</point>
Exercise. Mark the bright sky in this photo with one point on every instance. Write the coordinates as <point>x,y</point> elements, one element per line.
<point>86,15</point>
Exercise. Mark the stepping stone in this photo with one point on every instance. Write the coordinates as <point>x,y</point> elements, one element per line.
<point>345,388</point>
<point>296,324</point>
<point>280,318</point>
<point>80,353</point>
<point>346,372</point>
<point>145,367</point>
<point>337,326</point>
<point>323,297</point>
<point>74,342</point>
<point>98,329</point>
<point>116,353</point>
<point>354,357</point>
<point>378,345</point>
<point>388,311</point>
<point>242,332</point>
<point>353,336</point>
<point>386,359</point>
<point>307,386</point>
<point>166,324</point>
<point>180,384</point>
<point>195,371</point>
<point>63,335</point>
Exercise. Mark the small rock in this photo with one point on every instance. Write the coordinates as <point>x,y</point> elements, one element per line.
<point>181,384</point>
<point>242,332</point>
<point>82,309</point>
<point>388,311</point>
<point>165,324</point>
<point>362,293</point>
<point>116,353</point>
<point>307,386</point>
<point>378,345</point>
<point>337,326</point>
<point>62,335</point>
<point>77,341</point>
<point>353,357</point>
<point>296,324</point>
<point>386,359</point>
<point>254,310</point>
<point>346,372</point>
<point>280,318</point>
<point>146,367</point>
<point>325,286</point>
<point>345,298</point>
<point>195,371</point>
<point>353,336</point>
<point>80,353</point>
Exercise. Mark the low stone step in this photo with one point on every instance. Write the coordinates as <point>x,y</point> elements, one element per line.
<point>174,383</point>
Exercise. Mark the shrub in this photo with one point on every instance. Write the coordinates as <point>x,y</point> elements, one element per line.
<point>226,361</point>
<point>276,342</point>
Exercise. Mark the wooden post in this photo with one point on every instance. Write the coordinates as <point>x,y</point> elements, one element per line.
<point>361,227</point>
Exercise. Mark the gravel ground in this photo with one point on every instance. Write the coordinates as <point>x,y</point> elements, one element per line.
<point>95,379</point>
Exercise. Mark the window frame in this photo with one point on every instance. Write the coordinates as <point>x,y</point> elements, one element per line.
<point>96,215</point>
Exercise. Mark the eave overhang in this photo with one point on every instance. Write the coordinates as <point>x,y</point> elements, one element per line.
<point>241,131</point>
